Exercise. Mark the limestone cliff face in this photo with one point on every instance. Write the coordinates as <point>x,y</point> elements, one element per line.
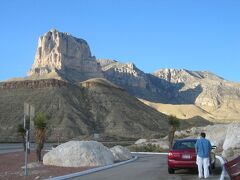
<point>143,85</point>
<point>217,96</point>
<point>123,74</point>
<point>206,90</point>
<point>61,53</point>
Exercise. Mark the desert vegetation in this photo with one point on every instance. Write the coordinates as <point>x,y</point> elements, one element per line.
<point>174,124</point>
<point>40,130</point>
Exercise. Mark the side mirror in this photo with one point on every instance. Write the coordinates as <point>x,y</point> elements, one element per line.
<point>214,147</point>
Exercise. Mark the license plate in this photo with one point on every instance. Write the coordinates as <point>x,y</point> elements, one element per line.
<point>186,156</point>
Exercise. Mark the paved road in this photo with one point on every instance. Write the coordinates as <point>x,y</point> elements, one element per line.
<point>146,167</point>
<point>16,147</point>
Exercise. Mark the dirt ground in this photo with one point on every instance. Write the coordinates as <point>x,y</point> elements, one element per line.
<point>11,168</point>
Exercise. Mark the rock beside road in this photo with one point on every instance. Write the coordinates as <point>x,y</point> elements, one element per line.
<point>79,154</point>
<point>141,141</point>
<point>225,136</point>
<point>232,139</point>
<point>121,153</point>
<point>163,144</point>
<point>221,135</point>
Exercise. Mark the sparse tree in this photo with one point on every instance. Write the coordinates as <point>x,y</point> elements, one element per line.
<point>21,132</point>
<point>174,124</point>
<point>40,129</point>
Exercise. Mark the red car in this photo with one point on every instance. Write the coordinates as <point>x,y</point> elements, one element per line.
<point>183,156</point>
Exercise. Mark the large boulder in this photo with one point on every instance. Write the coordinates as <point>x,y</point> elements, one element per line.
<point>79,153</point>
<point>216,134</point>
<point>140,141</point>
<point>120,153</point>
<point>232,139</point>
<point>228,154</point>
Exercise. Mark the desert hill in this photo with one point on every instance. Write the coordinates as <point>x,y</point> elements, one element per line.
<point>93,106</point>
<point>184,111</point>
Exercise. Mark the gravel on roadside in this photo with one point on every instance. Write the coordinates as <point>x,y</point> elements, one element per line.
<point>12,167</point>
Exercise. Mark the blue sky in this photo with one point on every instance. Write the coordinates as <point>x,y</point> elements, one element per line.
<point>154,34</point>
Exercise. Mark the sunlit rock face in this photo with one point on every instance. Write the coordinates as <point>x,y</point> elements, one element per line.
<point>215,95</point>
<point>62,53</point>
<point>123,74</point>
<point>79,154</point>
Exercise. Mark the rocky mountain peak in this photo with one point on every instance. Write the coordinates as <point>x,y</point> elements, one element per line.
<point>128,67</point>
<point>59,51</point>
<point>183,75</point>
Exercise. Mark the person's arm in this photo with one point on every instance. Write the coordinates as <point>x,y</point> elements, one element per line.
<point>196,147</point>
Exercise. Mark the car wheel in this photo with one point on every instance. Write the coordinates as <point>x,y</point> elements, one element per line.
<point>213,165</point>
<point>210,169</point>
<point>171,171</point>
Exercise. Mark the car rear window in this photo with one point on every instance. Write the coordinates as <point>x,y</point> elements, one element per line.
<point>184,145</point>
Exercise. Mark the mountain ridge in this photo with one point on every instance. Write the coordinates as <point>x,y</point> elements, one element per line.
<point>85,95</point>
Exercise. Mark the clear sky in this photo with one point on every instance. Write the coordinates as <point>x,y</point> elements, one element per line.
<point>154,34</point>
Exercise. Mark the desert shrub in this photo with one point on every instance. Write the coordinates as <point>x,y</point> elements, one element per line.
<point>145,148</point>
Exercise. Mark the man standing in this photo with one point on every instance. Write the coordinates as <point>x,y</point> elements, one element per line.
<point>203,148</point>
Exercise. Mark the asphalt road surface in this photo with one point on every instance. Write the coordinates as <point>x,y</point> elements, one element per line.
<point>16,147</point>
<point>146,167</point>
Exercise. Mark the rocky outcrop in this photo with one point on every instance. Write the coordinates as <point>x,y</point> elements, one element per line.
<point>232,139</point>
<point>60,54</point>
<point>33,84</point>
<point>224,136</point>
<point>231,145</point>
<point>78,154</point>
<point>123,74</point>
<point>163,144</point>
<point>120,153</point>
<point>215,133</point>
<point>217,96</point>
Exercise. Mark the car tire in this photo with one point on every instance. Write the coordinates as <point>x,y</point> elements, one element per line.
<point>210,169</point>
<point>171,170</point>
<point>213,166</point>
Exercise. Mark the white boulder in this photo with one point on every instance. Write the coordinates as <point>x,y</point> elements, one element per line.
<point>79,153</point>
<point>120,153</point>
<point>162,143</point>
<point>232,139</point>
<point>216,134</point>
<point>141,141</point>
<point>227,154</point>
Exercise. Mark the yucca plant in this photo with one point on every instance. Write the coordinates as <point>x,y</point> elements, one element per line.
<point>174,124</point>
<point>40,129</point>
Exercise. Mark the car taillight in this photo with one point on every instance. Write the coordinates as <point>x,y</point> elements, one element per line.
<point>170,155</point>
